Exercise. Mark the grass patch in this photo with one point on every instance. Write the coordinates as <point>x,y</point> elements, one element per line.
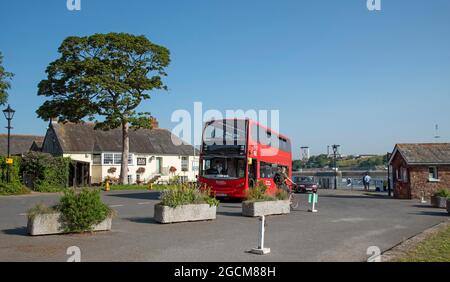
<point>50,189</point>
<point>436,248</point>
<point>13,189</point>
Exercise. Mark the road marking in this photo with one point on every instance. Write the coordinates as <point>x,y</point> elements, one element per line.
<point>115,206</point>
<point>144,203</point>
<point>22,214</point>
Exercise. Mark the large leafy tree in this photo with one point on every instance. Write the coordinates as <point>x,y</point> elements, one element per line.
<point>104,78</point>
<point>4,82</point>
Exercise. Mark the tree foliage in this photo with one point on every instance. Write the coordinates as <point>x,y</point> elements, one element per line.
<point>5,84</point>
<point>349,162</point>
<point>104,77</point>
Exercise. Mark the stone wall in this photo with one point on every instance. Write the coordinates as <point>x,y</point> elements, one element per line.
<point>420,181</point>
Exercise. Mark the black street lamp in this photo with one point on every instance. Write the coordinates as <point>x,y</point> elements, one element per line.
<point>9,115</point>
<point>335,153</point>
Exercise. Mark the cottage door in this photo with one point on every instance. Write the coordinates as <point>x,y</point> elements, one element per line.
<point>159,165</point>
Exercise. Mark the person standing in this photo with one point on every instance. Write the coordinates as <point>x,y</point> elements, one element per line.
<point>366,181</point>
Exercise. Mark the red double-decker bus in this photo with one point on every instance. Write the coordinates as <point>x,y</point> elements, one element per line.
<point>237,154</point>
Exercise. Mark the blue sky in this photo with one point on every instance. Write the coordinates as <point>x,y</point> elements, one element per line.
<point>337,72</point>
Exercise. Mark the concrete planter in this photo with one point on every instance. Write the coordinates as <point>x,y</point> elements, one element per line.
<point>49,224</point>
<point>439,202</point>
<point>253,209</point>
<point>199,212</point>
<point>448,206</point>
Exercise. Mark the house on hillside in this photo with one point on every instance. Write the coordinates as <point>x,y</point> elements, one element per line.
<point>420,169</point>
<point>153,154</point>
<point>19,144</point>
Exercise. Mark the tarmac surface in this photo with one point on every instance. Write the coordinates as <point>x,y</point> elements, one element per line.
<point>347,224</point>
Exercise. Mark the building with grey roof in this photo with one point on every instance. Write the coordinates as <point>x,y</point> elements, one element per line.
<point>420,169</point>
<point>155,154</point>
<point>19,144</point>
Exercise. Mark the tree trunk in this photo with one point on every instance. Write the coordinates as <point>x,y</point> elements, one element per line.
<point>125,153</point>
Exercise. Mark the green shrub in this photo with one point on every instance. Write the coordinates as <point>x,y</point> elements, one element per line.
<point>14,170</point>
<point>48,173</point>
<point>444,193</point>
<point>82,210</point>
<point>39,209</point>
<point>174,180</point>
<point>13,188</point>
<point>259,194</point>
<point>186,194</point>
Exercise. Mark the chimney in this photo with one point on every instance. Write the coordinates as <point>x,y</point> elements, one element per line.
<point>155,123</point>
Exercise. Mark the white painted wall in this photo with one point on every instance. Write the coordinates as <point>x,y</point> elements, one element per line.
<point>100,172</point>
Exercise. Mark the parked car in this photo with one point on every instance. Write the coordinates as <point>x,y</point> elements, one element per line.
<point>305,184</point>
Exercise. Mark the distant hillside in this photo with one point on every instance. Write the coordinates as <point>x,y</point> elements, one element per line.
<point>350,162</point>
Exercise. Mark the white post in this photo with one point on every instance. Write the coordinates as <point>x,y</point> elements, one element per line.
<point>422,200</point>
<point>314,199</point>
<point>314,204</point>
<point>262,229</point>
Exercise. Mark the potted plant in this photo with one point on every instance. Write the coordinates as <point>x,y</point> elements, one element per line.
<point>260,203</point>
<point>439,199</point>
<point>75,213</point>
<point>448,205</point>
<point>185,202</point>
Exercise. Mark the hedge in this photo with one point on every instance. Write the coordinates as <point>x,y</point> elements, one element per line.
<point>47,173</point>
<point>14,170</point>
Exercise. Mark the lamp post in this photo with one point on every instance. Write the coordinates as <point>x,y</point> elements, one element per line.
<point>9,114</point>
<point>335,153</point>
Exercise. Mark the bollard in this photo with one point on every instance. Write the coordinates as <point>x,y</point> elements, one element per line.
<point>262,229</point>
<point>107,187</point>
<point>313,199</point>
<point>422,199</point>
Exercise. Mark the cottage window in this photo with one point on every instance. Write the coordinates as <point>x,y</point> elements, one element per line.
<point>184,164</point>
<point>433,174</point>
<point>118,159</point>
<point>108,159</point>
<point>402,174</point>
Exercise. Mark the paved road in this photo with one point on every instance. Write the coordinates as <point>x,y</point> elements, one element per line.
<point>346,225</point>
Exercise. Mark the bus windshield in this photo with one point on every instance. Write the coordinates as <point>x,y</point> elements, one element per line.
<point>223,168</point>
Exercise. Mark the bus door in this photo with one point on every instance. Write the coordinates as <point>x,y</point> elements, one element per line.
<point>251,173</point>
